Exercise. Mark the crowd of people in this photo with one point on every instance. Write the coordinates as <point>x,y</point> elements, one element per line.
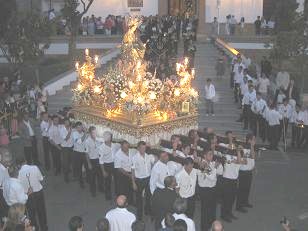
<point>270,104</point>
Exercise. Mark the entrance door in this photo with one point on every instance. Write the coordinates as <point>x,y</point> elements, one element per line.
<point>179,7</point>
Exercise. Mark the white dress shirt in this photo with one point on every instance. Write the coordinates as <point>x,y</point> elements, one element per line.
<point>244,88</point>
<point>249,98</point>
<point>54,134</point>
<point>106,153</point>
<point>187,183</point>
<point>189,222</point>
<point>13,192</point>
<point>210,91</point>
<point>120,219</point>
<point>123,160</point>
<point>208,179</point>
<point>78,142</point>
<point>30,129</point>
<point>249,166</point>
<point>142,165</point>
<point>273,117</point>
<point>66,143</point>
<point>259,107</point>
<point>263,83</point>
<point>231,170</point>
<point>285,110</point>
<point>160,171</point>
<point>44,128</point>
<point>92,148</point>
<point>238,77</point>
<point>30,176</point>
<point>4,175</point>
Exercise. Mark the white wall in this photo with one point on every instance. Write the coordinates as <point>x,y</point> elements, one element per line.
<point>249,9</point>
<point>119,7</point>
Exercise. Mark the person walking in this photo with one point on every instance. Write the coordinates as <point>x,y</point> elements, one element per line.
<point>210,94</point>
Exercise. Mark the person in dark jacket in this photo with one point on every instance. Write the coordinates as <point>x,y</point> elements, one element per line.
<point>163,199</point>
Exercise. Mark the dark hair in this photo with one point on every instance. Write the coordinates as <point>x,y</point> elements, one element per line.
<point>180,205</point>
<point>124,142</point>
<point>209,80</point>
<point>138,226</point>
<point>102,224</point>
<point>20,160</point>
<point>75,223</point>
<point>184,145</point>
<point>188,161</point>
<point>13,171</point>
<point>228,132</point>
<point>168,181</point>
<point>140,143</point>
<point>169,220</point>
<point>180,225</point>
<point>78,123</point>
<point>249,136</point>
<point>91,128</point>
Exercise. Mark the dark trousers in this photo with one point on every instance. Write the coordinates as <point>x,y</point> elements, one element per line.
<point>247,113</point>
<point>56,157</point>
<point>262,127</point>
<point>46,149</point>
<point>143,184</point>
<point>295,135</point>
<point>304,136</point>
<point>208,207</point>
<point>191,201</point>
<point>228,196</point>
<point>273,136</point>
<point>95,176</point>
<point>80,160</point>
<point>283,128</point>
<point>236,92</point>
<point>124,186</point>
<point>66,161</point>
<point>109,169</point>
<point>36,209</point>
<point>3,206</point>
<point>219,189</point>
<point>31,152</point>
<point>232,79</point>
<point>244,185</point>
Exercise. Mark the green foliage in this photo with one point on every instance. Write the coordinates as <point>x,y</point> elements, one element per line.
<point>285,14</point>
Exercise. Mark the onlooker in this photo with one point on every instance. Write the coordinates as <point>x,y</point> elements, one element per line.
<point>210,94</point>
<point>75,224</point>
<point>102,225</point>
<point>258,26</point>
<point>180,225</point>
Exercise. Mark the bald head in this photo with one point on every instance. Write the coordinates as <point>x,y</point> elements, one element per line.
<point>217,226</point>
<point>121,201</point>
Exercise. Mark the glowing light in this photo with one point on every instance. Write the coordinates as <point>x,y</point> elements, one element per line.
<point>123,95</point>
<point>186,60</point>
<point>177,92</point>
<point>86,52</point>
<point>77,65</point>
<point>96,59</point>
<point>97,89</point>
<point>79,87</point>
<point>193,72</point>
<point>178,66</point>
<point>152,95</point>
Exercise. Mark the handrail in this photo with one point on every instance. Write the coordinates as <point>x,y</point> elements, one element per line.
<point>226,46</point>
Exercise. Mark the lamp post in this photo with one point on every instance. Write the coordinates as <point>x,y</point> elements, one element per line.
<point>218,12</point>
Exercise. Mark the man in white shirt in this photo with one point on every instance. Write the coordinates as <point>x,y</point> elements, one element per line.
<point>248,99</point>
<point>238,79</point>
<point>27,134</point>
<point>44,126</point>
<point>31,177</point>
<point>282,80</point>
<point>141,170</point>
<point>67,147</point>
<point>209,97</point>
<point>186,180</point>
<point>180,207</point>
<point>120,219</point>
<point>79,155</point>
<point>106,160</point>
<point>286,111</point>
<point>5,163</point>
<point>263,86</point>
<point>92,156</point>
<point>273,118</point>
<point>123,168</point>
<point>55,141</point>
<point>230,180</point>
<point>245,175</point>
<point>259,108</point>
<point>207,179</point>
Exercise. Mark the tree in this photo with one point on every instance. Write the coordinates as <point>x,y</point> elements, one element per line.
<point>285,14</point>
<point>73,18</point>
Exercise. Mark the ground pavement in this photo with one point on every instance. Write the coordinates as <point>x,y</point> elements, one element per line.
<point>279,186</point>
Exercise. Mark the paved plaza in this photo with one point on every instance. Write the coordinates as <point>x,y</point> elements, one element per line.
<point>280,179</point>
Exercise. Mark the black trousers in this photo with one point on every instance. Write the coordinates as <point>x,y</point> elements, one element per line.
<point>262,127</point>
<point>36,209</point>
<point>208,207</point>
<point>219,188</point>
<point>3,206</point>
<point>79,161</point>
<point>244,185</point>
<point>247,114</point>
<point>46,149</point>
<point>274,135</point>
<point>31,152</point>
<point>67,161</point>
<point>295,135</point>
<point>56,157</point>
<point>191,202</point>
<point>283,128</point>
<point>95,177</point>
<point>109,169</point>
<point>304,136</point>
<point>143,185</point>
<point>124,186</point>
<point>236,92</point>
<point>228,196</point>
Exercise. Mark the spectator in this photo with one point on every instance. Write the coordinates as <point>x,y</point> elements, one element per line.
<point>75,224</point>
<point>242,25</point>
<point>258,26</point>
<point>102,225</point>
<point>210,94</point>
<point>180,225</point>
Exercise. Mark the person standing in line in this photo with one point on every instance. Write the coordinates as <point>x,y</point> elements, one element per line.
<point>248,99</point>
<point>238,79</point>
<point>186,180</point>
<point>263,85</point>
<point>259,108</point>
<point>245,175</point>
<point>55,141</point>
<point>141,171</point>
<point>106,160</point>
<point>79,155</point>
<point>286,112</point>
<point>230,181</point>
<point>273,118</point>
<point>27,134</point>
<point>120,219</point>
<point>210,94</point>
<point>45,125</point>
<point>207,179</point>
<point>31,177</point>
<point>67,148</point>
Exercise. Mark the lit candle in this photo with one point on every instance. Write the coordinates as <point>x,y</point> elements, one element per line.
<point>186,61</point>
<point>138,64</point>
<point>86,52</point>
<point>178,66</point>
<point>177,92</point>
<point>77,65</point>
<point>97,89</point>
<point>193,72</point>
<point>96,59</point>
